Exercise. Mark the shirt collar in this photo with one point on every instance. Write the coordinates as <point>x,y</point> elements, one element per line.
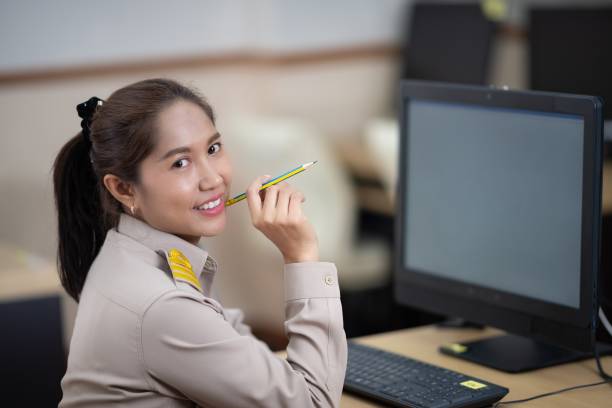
<point>162,241</point>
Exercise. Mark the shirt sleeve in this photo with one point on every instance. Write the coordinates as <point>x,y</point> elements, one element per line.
<point>235,318</point>
<point>190,351</point>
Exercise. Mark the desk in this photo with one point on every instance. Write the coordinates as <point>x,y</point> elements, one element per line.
<point>24,275</point>
<point>422,343</point>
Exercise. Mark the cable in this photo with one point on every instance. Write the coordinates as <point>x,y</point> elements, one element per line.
<point>606,377</point>
<point>602,373</point>
<point>605,321</point>
<point>575,387</point>
<point>608,327</point>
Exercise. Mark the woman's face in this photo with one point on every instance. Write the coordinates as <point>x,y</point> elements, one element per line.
<point>185,181</point>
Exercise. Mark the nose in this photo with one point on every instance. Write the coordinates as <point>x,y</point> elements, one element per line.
<point>209,177</point>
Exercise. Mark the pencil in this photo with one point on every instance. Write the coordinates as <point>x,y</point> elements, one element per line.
<point>272,182</point>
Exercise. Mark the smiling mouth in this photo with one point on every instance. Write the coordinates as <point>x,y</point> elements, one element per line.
<point>209,205</point>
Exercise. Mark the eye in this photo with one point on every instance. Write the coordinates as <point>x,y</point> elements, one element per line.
<point>214,148</point>
<point>180,163</point>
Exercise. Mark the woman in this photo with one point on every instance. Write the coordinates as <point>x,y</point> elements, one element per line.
<point>135,191</point>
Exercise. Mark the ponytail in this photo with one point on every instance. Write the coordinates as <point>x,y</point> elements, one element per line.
<point>81,226</point>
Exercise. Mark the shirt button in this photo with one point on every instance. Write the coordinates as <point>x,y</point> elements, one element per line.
<point>329,280</point>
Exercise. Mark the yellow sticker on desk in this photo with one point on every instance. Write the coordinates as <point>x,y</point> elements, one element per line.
<point>475,385</point>
<point>456,348</point>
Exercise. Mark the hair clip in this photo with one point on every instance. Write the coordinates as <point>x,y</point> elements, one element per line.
<point>86,111</point>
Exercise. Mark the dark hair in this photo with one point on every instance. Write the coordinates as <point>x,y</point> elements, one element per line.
<point>122,134</point>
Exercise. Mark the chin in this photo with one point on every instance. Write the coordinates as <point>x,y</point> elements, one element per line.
<point>212,228</point>
<point>212,233</point>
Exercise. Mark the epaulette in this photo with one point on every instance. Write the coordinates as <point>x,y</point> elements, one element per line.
<point>181,269</point>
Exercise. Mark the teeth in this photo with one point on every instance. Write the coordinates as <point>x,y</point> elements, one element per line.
<point>209,205</point>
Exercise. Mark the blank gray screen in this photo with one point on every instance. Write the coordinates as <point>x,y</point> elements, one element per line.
<point>494,198</point>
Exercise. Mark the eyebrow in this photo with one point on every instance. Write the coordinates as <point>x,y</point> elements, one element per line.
<point>186,149</point>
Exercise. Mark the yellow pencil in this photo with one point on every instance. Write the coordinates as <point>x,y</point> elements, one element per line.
<point>272,182</point>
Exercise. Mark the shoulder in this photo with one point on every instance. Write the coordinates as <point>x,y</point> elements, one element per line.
<point>184,315</point>
<point>128,273</point>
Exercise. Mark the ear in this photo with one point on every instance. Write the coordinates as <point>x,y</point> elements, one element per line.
<point>121,190</point>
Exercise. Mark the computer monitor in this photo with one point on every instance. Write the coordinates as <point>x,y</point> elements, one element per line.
<point>498,217</point>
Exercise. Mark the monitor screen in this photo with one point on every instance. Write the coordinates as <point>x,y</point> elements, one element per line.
<point>499,208</point>
<point>494,198</point>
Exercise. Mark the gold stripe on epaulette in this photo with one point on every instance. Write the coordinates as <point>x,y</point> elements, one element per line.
<point>187,278</point>
<point>177,256</point>
<point>181,269</point>
<point>178,267</point>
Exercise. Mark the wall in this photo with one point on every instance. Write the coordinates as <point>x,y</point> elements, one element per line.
<point>64,33</point>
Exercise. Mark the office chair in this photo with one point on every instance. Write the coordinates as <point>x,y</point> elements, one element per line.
<point>448,42</point>
<point>569,52</point>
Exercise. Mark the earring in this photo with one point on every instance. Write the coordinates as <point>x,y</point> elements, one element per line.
<point>132,209</point>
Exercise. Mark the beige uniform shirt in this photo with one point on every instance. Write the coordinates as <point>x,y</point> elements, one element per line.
<point>149,335</point>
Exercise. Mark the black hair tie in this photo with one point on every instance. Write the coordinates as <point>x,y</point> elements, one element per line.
<point>86,111</point>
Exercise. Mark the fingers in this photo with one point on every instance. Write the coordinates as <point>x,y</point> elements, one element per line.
<point>276,203</point>
<point>282,204</point>
<point>295,205</point>
<point>253,197</point>
<point>269,204</point>
<point>279,217</point>
<point>279,204</point>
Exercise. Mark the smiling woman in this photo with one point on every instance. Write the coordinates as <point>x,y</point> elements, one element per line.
<point>135,190</point>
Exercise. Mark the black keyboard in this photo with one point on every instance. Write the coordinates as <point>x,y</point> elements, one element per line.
<point>405,382</point>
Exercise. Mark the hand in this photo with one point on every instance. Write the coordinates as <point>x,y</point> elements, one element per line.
<point>279,217</point>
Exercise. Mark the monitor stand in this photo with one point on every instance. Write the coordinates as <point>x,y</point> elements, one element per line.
<point>515,354</point>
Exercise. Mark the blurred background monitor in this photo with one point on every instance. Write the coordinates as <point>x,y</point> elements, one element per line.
<point>570,51</point>
<point>448,42</point>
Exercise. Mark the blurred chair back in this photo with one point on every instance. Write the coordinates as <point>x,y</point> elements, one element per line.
<point>381,138</point>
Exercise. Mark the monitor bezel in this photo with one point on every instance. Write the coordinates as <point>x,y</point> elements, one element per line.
<point>508,311</point>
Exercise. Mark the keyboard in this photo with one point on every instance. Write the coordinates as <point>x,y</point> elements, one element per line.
<point>404,382</point>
